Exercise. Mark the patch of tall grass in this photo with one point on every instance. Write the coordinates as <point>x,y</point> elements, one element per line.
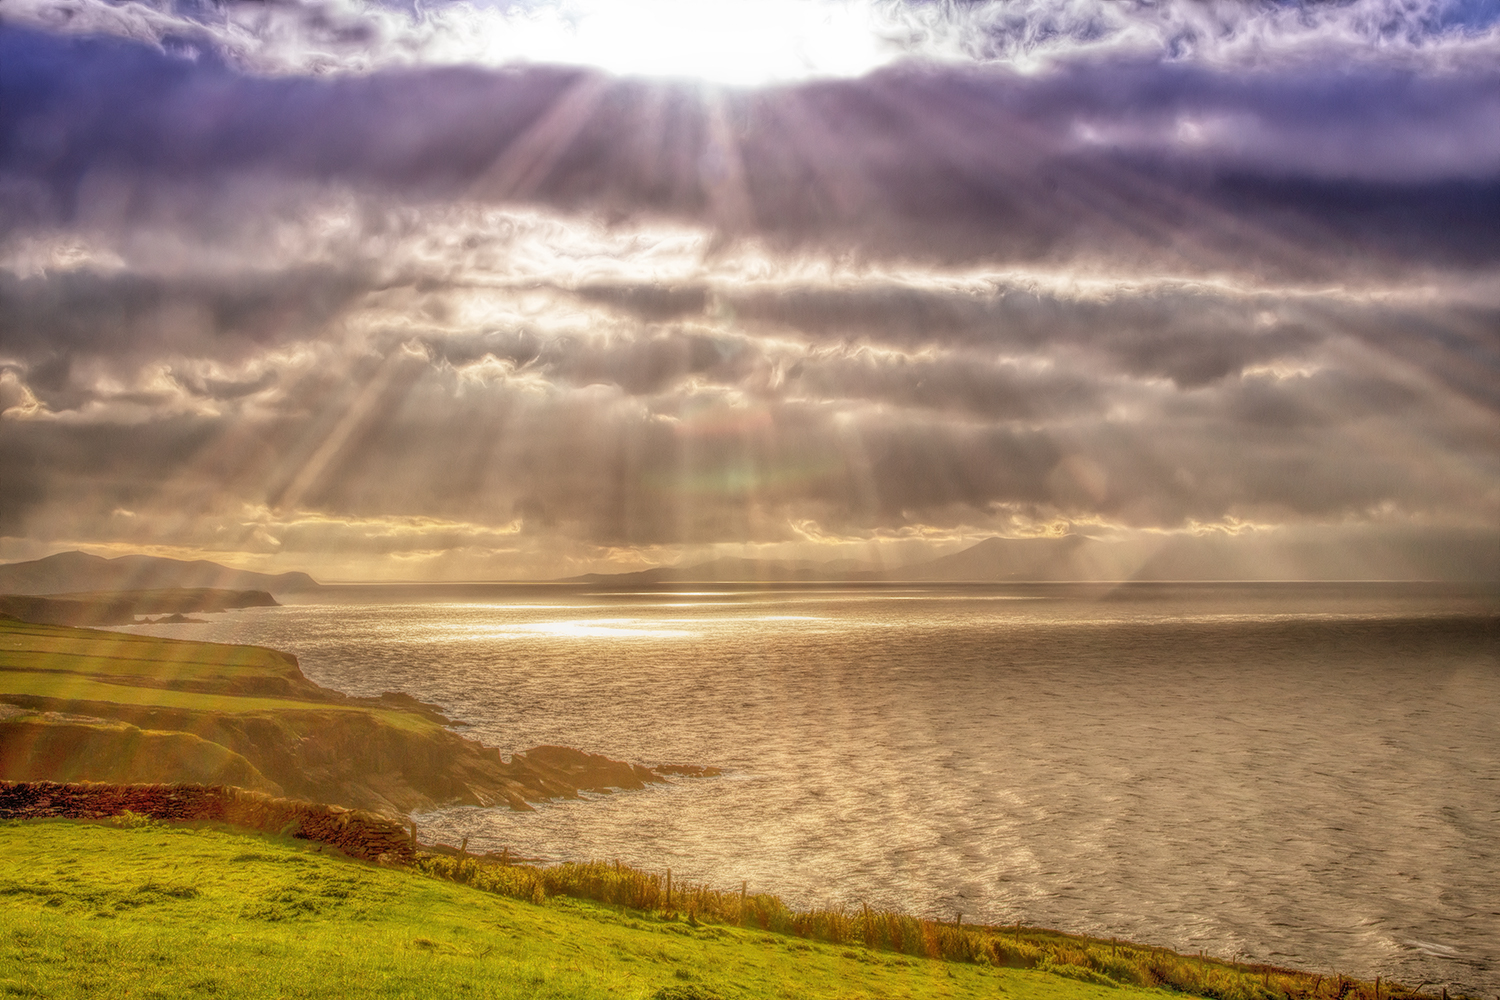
<point>1090,960</point>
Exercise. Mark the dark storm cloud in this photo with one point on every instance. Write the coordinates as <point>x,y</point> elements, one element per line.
<point>1286,170</point>
<point>131,313</point>
<point>649,302</point>
<point>91,471</point>
<point>1190,335</point>
<point>1458,345</point>
<point>257,313</point>
<point>78,106</point>
<point>874,407</point>
<point>55,323</point>
<point>641,362</point>
<point>872,450</point>
<point>959,382</point>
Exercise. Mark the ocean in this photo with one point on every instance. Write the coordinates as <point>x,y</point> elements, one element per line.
<point>1306,775</point>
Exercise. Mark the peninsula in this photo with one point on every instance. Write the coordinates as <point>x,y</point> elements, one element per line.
<point>89,705</point>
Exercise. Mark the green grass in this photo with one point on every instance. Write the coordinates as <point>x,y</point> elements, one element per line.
<point>137,908</point>
<point>72,669</point>
<point>94,910</point>
<point>263,722</point>
<point>149,910</point>
<point>72,689</point>
<point>57,647</point>
<point>1101,962</point>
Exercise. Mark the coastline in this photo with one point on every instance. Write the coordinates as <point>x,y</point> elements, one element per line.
<point>254,676</point>
<point>125,708</point>
<point>649,900</point>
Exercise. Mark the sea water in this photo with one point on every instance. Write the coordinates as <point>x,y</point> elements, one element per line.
<point>1306,775</point>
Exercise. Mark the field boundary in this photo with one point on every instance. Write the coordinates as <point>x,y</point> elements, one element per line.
<point>357,833</point>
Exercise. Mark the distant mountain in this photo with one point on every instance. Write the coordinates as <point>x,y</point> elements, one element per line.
<point>733,571</point>
<point>72,572</point>
<point>997,560</point>
<point>1456,556</point>
<point>994,560</point>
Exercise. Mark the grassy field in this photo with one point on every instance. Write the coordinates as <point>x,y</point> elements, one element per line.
<point>150,910</point>
<point>1110,963</point>
<point>74,691</point>
<point>82,704</point>
<point>66,666</point>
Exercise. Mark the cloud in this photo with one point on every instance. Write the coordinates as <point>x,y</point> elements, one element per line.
<point>1120,268</point>
<point>82,309</point>
<point>1240,34</point>
<point>1125,162</point>
<point>751,42</point>
<point>734,41</point>
<point>1190,333</point>
<point>876,407</point>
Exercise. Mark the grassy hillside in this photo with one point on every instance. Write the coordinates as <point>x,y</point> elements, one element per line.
<point>106,706</point>
<point>80,704</point>
<point>68,572</point>
<point>171,911</point>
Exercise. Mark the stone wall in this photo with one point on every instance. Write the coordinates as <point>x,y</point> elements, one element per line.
<point>353,831</point>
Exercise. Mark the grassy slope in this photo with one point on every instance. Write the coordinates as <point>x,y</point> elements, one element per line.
<point>48,748</point>
<point>281,732</point>
<point>166,911</point>
<point>140,708</point>
<point>81,665</point>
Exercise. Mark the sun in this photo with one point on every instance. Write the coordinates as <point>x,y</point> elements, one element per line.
<point>729,42</point>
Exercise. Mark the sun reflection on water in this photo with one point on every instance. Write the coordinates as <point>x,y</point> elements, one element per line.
<point>611,628</point>
<point>604,628</point>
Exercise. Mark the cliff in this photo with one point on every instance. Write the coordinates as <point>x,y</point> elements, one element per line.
<point>84,705</point>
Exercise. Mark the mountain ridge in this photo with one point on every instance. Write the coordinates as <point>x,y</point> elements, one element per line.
<point>72,572</point>
<point>1454,556</point>
<point>991,560</point>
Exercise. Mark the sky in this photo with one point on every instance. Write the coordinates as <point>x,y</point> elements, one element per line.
<point>487,290</point>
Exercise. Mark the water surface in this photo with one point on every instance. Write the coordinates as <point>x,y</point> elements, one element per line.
<point>1306,775</point>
